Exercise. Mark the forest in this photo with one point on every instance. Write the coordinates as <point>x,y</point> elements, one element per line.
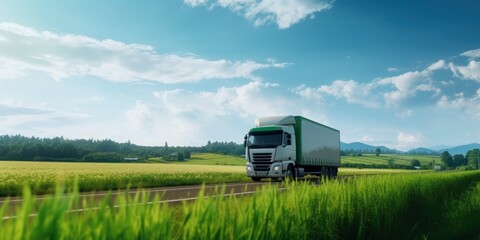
<point>19,147</point>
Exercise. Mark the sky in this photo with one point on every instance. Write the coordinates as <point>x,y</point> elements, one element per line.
<point>402,74</point>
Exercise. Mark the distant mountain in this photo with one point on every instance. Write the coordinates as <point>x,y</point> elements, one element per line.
<point>462,149</point>
<point>362,147</point>
<point>439,147</point>
<point>422,151</point>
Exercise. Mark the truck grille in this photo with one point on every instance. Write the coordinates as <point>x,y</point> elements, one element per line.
<point>261,167</point>
<point>262,157</point>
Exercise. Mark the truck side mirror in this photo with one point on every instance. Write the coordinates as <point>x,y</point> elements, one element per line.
<point>289,139</point>
<point>245,141</point>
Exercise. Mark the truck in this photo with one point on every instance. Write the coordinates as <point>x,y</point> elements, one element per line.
<point>281,147</point>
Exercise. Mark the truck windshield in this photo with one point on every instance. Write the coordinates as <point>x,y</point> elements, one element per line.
<point>264,139</point>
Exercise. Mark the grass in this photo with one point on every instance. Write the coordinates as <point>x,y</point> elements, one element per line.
<point>215,159</point>
<point>401,159</point>
<point>42,177</point>
<point>411,206</point>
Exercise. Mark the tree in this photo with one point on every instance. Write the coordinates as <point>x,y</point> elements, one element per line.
<point>472,158</point>
<point>378,151</point>
<point>415,163</point>
<point>447,159</point>
<point>459,160</point>
<point>180,156</point>
<point>186,154</point>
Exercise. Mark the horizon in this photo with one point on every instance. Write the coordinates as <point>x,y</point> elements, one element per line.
<point>399,74</point>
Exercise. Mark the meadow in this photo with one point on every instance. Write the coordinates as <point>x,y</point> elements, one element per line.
<point>42,177</point>
<point>400,159</point>
<point>401,206</point>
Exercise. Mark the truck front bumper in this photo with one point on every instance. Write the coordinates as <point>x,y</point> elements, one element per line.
<point>275,171</point>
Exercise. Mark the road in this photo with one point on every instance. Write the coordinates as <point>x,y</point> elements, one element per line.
<point>171,195</point>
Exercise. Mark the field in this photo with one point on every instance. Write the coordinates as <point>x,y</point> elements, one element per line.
<point>405,206</point>
<point>42,177</point>
<point>209,159</point>
<point>400,159</point>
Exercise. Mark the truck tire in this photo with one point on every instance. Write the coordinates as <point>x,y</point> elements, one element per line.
<point>290,174</point>
<point>256,179</point>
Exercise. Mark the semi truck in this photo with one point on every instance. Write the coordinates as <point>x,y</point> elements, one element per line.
<point>280,147</point>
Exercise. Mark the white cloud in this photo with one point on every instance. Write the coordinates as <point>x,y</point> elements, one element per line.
<point>407,85</point>
<point>182,116</point>
<point>351,91</point>
<point>15,114</point>
<point>393,69</point>
<point>470,105</point>
<point>194,3</point>
<point>65,55</point>
<point>471,71</point>
<point>284,13</point>
<point>368,139</point>
<point>472,53</point>
<point>406,141</point>
<point>440,64</point>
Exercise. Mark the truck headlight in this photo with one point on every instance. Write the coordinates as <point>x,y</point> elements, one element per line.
<point>277,168</point>
<point>249,168</point>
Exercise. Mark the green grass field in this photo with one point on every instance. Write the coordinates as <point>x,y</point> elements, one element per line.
<point>215,159</point>
<point>401,159</point>
<point>369,159</point>
<point>42,177</point>
<point>406,206</point>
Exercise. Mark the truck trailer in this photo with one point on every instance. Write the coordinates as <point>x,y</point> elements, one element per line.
<point>290,147</point>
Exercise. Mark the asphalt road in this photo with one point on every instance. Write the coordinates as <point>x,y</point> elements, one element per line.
<point>171,195</point>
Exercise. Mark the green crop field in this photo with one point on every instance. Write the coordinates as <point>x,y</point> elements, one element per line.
<point>214,159</point>
<point>400,159</point>
<point>202,168</point>
<point>43,176</point>
<point>405,206</point>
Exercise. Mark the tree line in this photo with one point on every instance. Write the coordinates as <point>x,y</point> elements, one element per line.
<point>19,147</point>
<point>470,160</point>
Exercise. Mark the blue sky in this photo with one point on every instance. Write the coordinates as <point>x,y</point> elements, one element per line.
<point>402,74</point>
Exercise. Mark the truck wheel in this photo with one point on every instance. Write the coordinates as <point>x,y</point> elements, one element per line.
<point>327,172</point>
<point>256,179</point>
<point>290,173</point>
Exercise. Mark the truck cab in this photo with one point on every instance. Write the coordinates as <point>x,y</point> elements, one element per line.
<point>269,150</point>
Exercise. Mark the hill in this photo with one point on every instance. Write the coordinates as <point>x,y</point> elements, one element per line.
<point>462,149</point>
<point>422,151</point>
<point>362,147</point>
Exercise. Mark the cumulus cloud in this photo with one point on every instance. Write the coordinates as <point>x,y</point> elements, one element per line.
<point>471,71</point>
<point>351,91</point>
<point>408,85</point>
<point>406,141</point>
<point>400,92</point>
<point>62,56</point>
<point>475,53</point>
<point>284,13</point>
<point>186,116</point>
<point>470,105</point>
